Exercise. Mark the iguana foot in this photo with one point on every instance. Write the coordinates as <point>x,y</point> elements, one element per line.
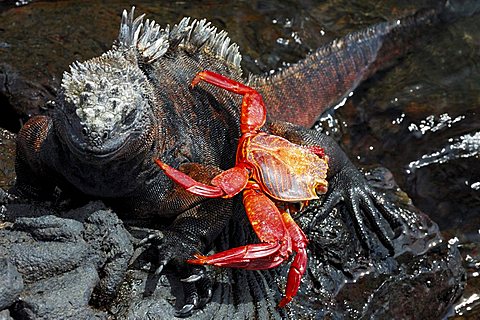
<point>366,206</point>
<point>173,249</point>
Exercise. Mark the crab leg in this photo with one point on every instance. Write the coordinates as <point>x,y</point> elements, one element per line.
<point>253,114</point>
<point>299,264</point>
<point>267,222</point>
<point>226,184</point>
<point>221,82</point>
<point>258,256</point>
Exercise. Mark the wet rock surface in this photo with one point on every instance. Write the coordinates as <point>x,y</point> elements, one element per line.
<point>79,258</point>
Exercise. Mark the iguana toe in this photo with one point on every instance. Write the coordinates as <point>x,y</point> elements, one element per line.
<point>197,295</point>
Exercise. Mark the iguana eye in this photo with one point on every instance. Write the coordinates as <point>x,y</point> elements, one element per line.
<point>130,117</point>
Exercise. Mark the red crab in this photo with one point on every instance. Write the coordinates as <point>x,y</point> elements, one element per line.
<point>270,171</point>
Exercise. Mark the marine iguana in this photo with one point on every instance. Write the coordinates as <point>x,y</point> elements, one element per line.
<point>118,112</point>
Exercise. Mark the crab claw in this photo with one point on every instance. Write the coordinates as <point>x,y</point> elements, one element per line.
<point>226,184</point>
<point>190,184</point>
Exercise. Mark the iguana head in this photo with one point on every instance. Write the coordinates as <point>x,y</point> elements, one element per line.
<point>108,100</point>
<point>105,101</point>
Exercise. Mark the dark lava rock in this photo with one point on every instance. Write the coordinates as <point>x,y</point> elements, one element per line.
<point>11,283</point>
<point>62,297</point>
<point>80,264</point>
<point>63,261</point>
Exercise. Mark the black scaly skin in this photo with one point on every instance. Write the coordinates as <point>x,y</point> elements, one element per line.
<point>108,152</point>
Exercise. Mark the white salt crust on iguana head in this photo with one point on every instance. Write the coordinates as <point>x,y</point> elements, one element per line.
<point>105,90</point>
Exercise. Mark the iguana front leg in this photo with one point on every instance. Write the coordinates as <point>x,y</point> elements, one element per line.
<point>34,179</point>
<point>192,232</point>
<point>367,207</point>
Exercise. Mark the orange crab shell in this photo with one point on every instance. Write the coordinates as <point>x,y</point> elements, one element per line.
<point>284,170</point>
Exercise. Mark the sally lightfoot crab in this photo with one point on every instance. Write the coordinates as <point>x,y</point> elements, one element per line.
<point>272,172</point>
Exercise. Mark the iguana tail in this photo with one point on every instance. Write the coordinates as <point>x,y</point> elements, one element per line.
<point>328,75</point>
